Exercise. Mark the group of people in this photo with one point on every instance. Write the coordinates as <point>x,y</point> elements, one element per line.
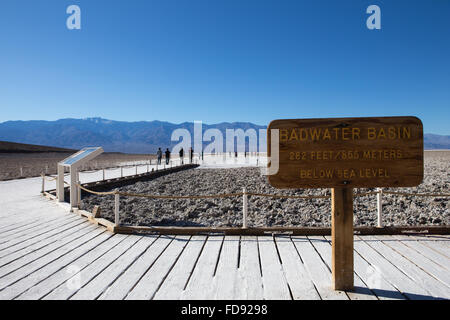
<point>167,153</point>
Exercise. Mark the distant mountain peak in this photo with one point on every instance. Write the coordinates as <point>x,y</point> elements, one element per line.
<point>98,120</point>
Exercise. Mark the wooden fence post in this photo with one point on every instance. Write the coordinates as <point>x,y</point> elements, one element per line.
<point>43,183</point>
<point>342,238</point>
<point>244,208</point>
<point>116,209</point>
<point>380,207</point>
<point>78,194</point>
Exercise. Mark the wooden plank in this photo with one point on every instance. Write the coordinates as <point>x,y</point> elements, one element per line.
<point>418,258</point>
<point>175,282</point>
<point>342,238</point>
<point>250,269</point>
<point>439,252</point>
<point>360,291</point>
<point>390,272</point>
<point>420,277</point>
<point>42,208</point>
<point>103,280</point>
<point>22,248</point>
<point>22,285</point>
<point>373,278</point>
<point>227,280</point>
<point>301,285</point>
<point>200,285</point>
<point>274,282</point>
<point>65,237</point>
<point>348,152</point>
<point>264,231</point>
<point>149,284</point>
<point>26,234</point>
<point>445,245</point>
<point>68,245</point>
<point>444,237</point>
<point>439,247</point>
<point>318,271</point>
<point>33,231</point>
<point>15,222</point>
<point>436,242</point>
<point>54,280</point>
<point>67,289</point>
<point>123,285</point>
<point>15,208</point>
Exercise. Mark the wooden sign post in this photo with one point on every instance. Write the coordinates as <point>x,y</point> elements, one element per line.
<point>342,154</point>
<point>342,238</point>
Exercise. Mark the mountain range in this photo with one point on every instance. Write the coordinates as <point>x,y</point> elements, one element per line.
<point>113,136</point>
<point>127,137</point>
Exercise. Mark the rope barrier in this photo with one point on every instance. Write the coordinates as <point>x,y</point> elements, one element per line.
<point>418,194</point>
<point>49,178</point>
<point>379,192</point>
<point>365,194</point>
<point>228,195</point>
<point>286,196</point>
<point>96,192</point>
<point>91,171</point>
<point>245,195</point>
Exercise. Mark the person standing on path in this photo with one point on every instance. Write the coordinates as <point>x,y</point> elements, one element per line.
<point>182,155</point>
<point>191,154</point>
<point>167,155</point>
<point>159,155</point>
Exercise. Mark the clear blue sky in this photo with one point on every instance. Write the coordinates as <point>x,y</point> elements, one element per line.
<point>227,60</point>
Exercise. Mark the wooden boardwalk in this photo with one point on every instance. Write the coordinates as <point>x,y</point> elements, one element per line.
<point>48,253</point>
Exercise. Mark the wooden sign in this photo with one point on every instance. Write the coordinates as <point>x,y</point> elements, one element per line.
<point>348,152</point>
<point>343,154</point>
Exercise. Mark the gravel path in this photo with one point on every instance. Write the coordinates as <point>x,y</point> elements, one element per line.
<point>266,211</point>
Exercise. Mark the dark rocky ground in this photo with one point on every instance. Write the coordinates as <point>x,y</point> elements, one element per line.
<point>397,210</point>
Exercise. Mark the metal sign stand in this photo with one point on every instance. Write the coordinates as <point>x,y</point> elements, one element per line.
<point>74,162</point>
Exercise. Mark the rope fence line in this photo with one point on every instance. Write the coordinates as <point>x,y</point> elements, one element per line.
<point>418,194</point>
<point>286,196</point>
<point>379,192</point>
<point>107,193</point>
<point>238,194</point>
<point>245,196</point>
<point>214,196</point>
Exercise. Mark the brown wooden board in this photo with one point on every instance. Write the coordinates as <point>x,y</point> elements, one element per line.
<point>348,152</point>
